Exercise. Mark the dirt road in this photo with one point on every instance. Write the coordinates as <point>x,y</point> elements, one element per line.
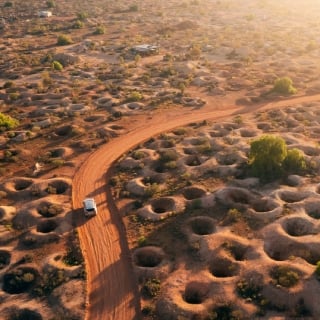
<point>112,292</point>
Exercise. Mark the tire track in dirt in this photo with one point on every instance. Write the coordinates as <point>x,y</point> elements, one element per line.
<point>112,291</point>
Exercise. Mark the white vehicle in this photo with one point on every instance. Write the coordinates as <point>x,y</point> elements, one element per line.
<point>90,207</point>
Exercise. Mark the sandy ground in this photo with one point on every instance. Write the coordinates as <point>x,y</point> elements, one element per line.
<point>112,291</point>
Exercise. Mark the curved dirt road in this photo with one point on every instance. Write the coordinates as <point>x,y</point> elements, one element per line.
<point>112,292</point>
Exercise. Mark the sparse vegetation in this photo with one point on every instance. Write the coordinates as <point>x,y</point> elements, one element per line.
<point>64,40</point>
<point>284,86</point>
<point>7,122</point>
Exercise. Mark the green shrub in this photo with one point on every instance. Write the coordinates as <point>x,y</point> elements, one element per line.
<point>8,4</point>
<point>168,155</point>
<point>284,276</point>
<point>78,24</point>
<point>151,288</point>
<point>82,15</point>
<point>294,161</point>
<point>56,65</point>
<point>133,8</point>
<point>51,4</point>
<point>134,96</point>
<point>266,156</point>
<point>7,122</point>
<point>99,30</point>
<point>64,40</point>
<point>284,86</point>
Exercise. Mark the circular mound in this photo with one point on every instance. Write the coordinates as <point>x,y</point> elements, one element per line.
<point>291,196</point>
<point>222,267</point>
<point>5,257</point>
<point>47,226</point>
<point>148,257</point>
<point>202,226</point>
<point>25,314</point>
<point>162,205</point>
<point>19,280</point>
<point>196,292</point>
<point>49,210</point>
<point>191,193</point>
<point>297,227</point>
<point>57,187</point>
<point>22,183</point>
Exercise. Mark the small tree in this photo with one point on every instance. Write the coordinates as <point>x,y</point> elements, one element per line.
<point>284,86</point>
<point>266,156</point>
<point>7,122</point>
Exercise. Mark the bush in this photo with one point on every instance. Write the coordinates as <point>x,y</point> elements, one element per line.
<point>7,122</point>
<point>82,15</point>
<point>284,276</point>
<point>284,86</point>
<point>56,65</point>
<point>168,155</point>
<point>266,156</point>
<point>51,4</point>
<point>99,30</point>
<point>294,161</point>
<point>134,96</point>
<point>78,24</point>
<point>64,40</point>
<point>151,288</point>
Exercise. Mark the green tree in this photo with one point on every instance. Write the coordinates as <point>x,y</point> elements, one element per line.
<point>284,86</point>
<point>7,122</point>
<point>266,156</point>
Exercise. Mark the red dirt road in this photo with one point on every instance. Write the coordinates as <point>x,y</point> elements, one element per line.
<point>112,291</point>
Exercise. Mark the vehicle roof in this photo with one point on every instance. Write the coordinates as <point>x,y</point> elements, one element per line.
<point>89,201</point>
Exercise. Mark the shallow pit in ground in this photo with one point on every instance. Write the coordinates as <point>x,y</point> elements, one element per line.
<point>192,161</point>
<point>191,193</point>
<point>263,205</point>
<point>148,257</point>
<point>64,130</point>
<point>24,314</point>
<point>47,226</point>
<point>196,292</point>
<point>57,187</point>
<point>92,118</point>
<point>19,280</point>
<point>222,267</point>
<point>313,209</point>
<point>297,227</point>
<point>202,225</point>
<point>5,258</point>
<point>49,210</point>
<point>236,249</point>
<point>162,205</point>
<point>21,184</point>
